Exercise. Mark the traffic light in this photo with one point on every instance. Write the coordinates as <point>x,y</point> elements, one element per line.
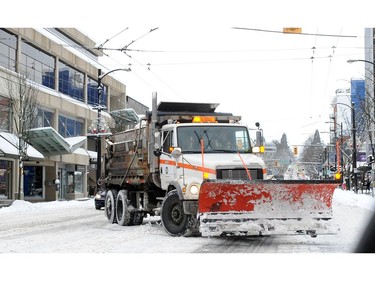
<point>295,150</point>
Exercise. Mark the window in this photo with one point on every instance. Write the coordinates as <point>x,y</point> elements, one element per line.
<point>8,47</point>
<point>215,139</point>
<point>167,141</point>
<point>92,92</point>
<point>75,180</point>
<point>4,114</point>
<point>71,81</point>
<point>44,119</point>
<point>37,65</point>
<point>69,127</point>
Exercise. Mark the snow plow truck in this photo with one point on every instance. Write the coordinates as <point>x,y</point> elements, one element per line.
<point>199,171</point>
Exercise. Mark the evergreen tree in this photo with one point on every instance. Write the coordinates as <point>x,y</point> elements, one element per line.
<point>283,154</point>
<point>312,155</point>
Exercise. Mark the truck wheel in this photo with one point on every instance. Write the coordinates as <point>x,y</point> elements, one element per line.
<point>173,218</point>
<point>110,205</point>
<point>123,214</point>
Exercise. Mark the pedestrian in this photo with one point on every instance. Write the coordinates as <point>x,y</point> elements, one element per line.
<point>367,181</point>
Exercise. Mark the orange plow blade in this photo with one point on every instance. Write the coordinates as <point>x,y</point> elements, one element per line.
<point>264,207</point>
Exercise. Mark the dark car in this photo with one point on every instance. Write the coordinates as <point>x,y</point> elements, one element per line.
<point>100,199</point>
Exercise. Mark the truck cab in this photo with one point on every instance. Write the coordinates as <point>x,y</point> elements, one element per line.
<point>206,151</point>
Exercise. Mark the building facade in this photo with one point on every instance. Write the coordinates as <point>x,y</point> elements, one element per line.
<point>62,66</point>
<point>369,79</point>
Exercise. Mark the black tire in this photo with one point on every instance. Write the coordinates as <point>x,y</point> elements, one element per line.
<point>123,214</point>
<point>173,217</point>
<point>110,205</point>
<point>138,218</point>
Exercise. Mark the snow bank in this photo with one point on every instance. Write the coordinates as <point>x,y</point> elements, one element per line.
<point>25,206</point>
<point>364,201</point>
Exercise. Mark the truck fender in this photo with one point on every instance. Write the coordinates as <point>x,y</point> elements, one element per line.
<point>176,185</point>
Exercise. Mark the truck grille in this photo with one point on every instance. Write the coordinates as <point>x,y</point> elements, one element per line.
<point>238,174</point>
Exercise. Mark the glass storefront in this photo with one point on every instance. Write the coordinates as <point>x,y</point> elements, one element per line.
<point>33,181</point>
<point>71,181</point>
<point>22,51</point>
<point>5,178</point>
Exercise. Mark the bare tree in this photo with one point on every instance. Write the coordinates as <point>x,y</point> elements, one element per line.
<point>23,96</point>
<point>365,116</point>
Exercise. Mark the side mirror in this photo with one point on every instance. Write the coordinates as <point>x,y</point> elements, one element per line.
<point>258,140</point>
<point>176,153</point>
<point>157,152</point>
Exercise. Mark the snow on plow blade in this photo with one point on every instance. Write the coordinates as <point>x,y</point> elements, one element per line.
<point>263,207</point>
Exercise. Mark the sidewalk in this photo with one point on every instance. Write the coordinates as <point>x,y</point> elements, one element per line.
<point>5,202</point>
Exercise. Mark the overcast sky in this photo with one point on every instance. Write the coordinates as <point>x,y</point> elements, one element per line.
<point>284,81</point>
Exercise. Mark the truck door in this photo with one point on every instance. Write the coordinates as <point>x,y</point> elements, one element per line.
<point>167,163</point>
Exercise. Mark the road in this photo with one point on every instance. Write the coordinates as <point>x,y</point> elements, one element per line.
<point>76,227</point>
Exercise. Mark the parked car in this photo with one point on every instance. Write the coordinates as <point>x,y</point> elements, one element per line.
<point>100,199</point>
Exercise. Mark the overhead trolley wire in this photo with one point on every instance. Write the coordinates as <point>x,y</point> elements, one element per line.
<point>301,33</point>
<point>100,47</point>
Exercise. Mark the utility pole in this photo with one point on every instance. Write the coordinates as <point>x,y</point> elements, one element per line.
<point>99,137</point>
<point>99,130</point>
<point>354,154</point>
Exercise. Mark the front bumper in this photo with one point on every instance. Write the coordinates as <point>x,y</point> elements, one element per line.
<point>190,207</point>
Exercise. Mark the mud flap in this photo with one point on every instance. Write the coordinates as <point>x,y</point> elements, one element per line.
<point>263,207</point>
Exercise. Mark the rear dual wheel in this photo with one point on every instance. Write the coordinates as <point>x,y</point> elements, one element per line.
<point>110,205</point>
<point>119,210</point>
<point>123,213</point>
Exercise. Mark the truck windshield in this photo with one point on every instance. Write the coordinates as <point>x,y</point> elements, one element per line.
<point>216,139</point>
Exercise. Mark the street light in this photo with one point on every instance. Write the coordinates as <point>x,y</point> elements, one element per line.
<point>99,134</point>
<point>354,154</point>
<point>351,61</point>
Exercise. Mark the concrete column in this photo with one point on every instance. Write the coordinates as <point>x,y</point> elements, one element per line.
<point>85,98</point>
<point>18,54</point>
<point>57,74</point>
<point>51,194</point>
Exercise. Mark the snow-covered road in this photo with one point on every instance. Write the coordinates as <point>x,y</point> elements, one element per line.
<point>76,227</point>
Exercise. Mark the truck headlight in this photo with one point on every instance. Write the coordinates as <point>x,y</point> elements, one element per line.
<point>194,189</point>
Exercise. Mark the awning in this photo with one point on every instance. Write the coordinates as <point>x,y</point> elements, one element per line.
<point>89,153</point>
<point>9,147</point>
<point>126,116</point>
<point>49,142</point>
